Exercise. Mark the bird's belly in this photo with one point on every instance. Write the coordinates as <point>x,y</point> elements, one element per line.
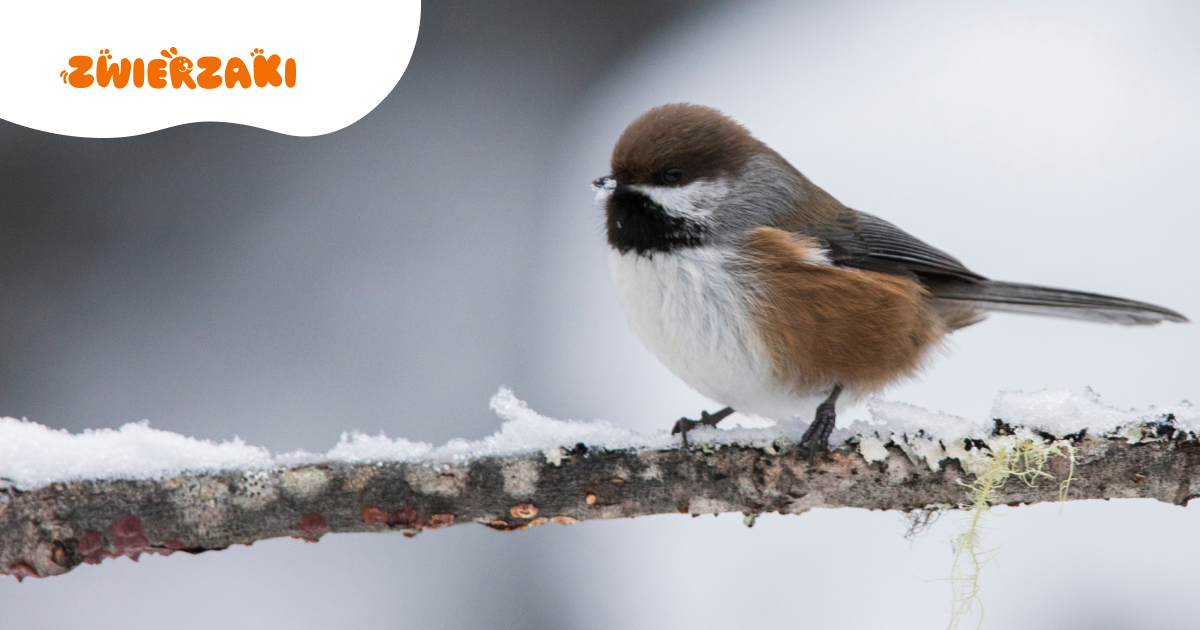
<point>689,309</point>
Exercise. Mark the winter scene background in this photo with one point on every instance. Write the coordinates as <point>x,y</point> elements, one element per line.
<point>223,281</point>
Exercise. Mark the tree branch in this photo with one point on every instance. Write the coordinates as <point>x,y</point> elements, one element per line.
<point>51,530</point>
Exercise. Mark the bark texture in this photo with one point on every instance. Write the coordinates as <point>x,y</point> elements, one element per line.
<point>52,530</point>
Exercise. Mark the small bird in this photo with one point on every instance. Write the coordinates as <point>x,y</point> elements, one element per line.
<point>766,294</point>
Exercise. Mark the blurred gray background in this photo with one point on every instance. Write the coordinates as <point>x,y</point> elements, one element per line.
<point>221,280</point>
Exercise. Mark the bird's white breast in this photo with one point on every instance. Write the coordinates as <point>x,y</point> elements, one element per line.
<point>690,308</point>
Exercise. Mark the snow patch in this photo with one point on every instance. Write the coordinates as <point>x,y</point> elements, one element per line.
<point>932,437</point>
<point>1061,413</point>
<point>32,455</point>
<point>872,449</point>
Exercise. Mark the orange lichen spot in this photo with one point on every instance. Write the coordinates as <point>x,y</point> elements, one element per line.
<point>22,571</point>
<point>404,517</point>
<point>524,510</point>
<point>313,525</point>
<point>502,526</point>
<point>128,537</point>
<point>440,520</point>
<point>539,521</point>
<point>590,499</point>
<point>58,554</point>
<point>564,520</point>
<point>375,516</point>
<point>89,542</point>
<point>91,547</point>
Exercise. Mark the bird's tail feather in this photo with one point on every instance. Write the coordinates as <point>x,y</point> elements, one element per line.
<point>1009,297</point>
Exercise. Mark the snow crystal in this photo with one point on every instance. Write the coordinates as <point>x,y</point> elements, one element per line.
<point>356,447</point>
<point>930,436</point>
<point>872,448</point>
<point>32,455</point>
<point>1063,412</point>
<point>920,433</point>
<point>905,419</point>
<point>526,430</point>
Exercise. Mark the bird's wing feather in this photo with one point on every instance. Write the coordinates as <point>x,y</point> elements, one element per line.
<point>864,241</point>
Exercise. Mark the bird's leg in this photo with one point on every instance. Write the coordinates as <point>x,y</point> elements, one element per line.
<point>817,435</point>
<point>708,419</point>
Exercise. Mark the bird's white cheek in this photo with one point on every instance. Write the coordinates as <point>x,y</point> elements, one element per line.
<point>696,200</point>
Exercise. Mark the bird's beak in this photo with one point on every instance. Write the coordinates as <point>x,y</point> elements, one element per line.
<point>604,187</point>
<point>608,183</point>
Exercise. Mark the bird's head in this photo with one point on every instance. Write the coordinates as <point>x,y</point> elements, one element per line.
<point>683,176</point>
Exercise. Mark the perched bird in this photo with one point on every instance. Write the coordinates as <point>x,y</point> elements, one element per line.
<point>764,293</point>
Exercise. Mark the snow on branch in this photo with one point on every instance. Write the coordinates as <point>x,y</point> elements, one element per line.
<point>71,499</point>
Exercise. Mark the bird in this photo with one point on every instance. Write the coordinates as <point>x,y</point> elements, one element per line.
<point>766,294</point>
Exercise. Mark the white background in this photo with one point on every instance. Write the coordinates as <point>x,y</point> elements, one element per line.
<point>348,57</point>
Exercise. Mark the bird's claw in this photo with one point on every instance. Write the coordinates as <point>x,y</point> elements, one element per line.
<point>683,426</point>
<point>816,438</point>
<point>706,419</point>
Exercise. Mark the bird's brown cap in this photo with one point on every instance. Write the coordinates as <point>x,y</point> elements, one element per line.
<point>699,141</point>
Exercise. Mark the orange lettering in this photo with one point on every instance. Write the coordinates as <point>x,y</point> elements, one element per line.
<point>267,71</point>
<point>156,73</point>
<point>79,77</point>
<point>236,72</point>
<point>209,78</point>
<point>119,75</point>
<point>181,73</point>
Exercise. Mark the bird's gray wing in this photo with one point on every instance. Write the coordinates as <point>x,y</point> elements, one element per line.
<point>864,241</point>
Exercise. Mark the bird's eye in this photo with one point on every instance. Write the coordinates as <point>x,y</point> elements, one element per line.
<point>672,175</point>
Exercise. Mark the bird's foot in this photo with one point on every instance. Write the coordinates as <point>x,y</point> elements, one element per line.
<point>816,438</point>
<point>706,419</point>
